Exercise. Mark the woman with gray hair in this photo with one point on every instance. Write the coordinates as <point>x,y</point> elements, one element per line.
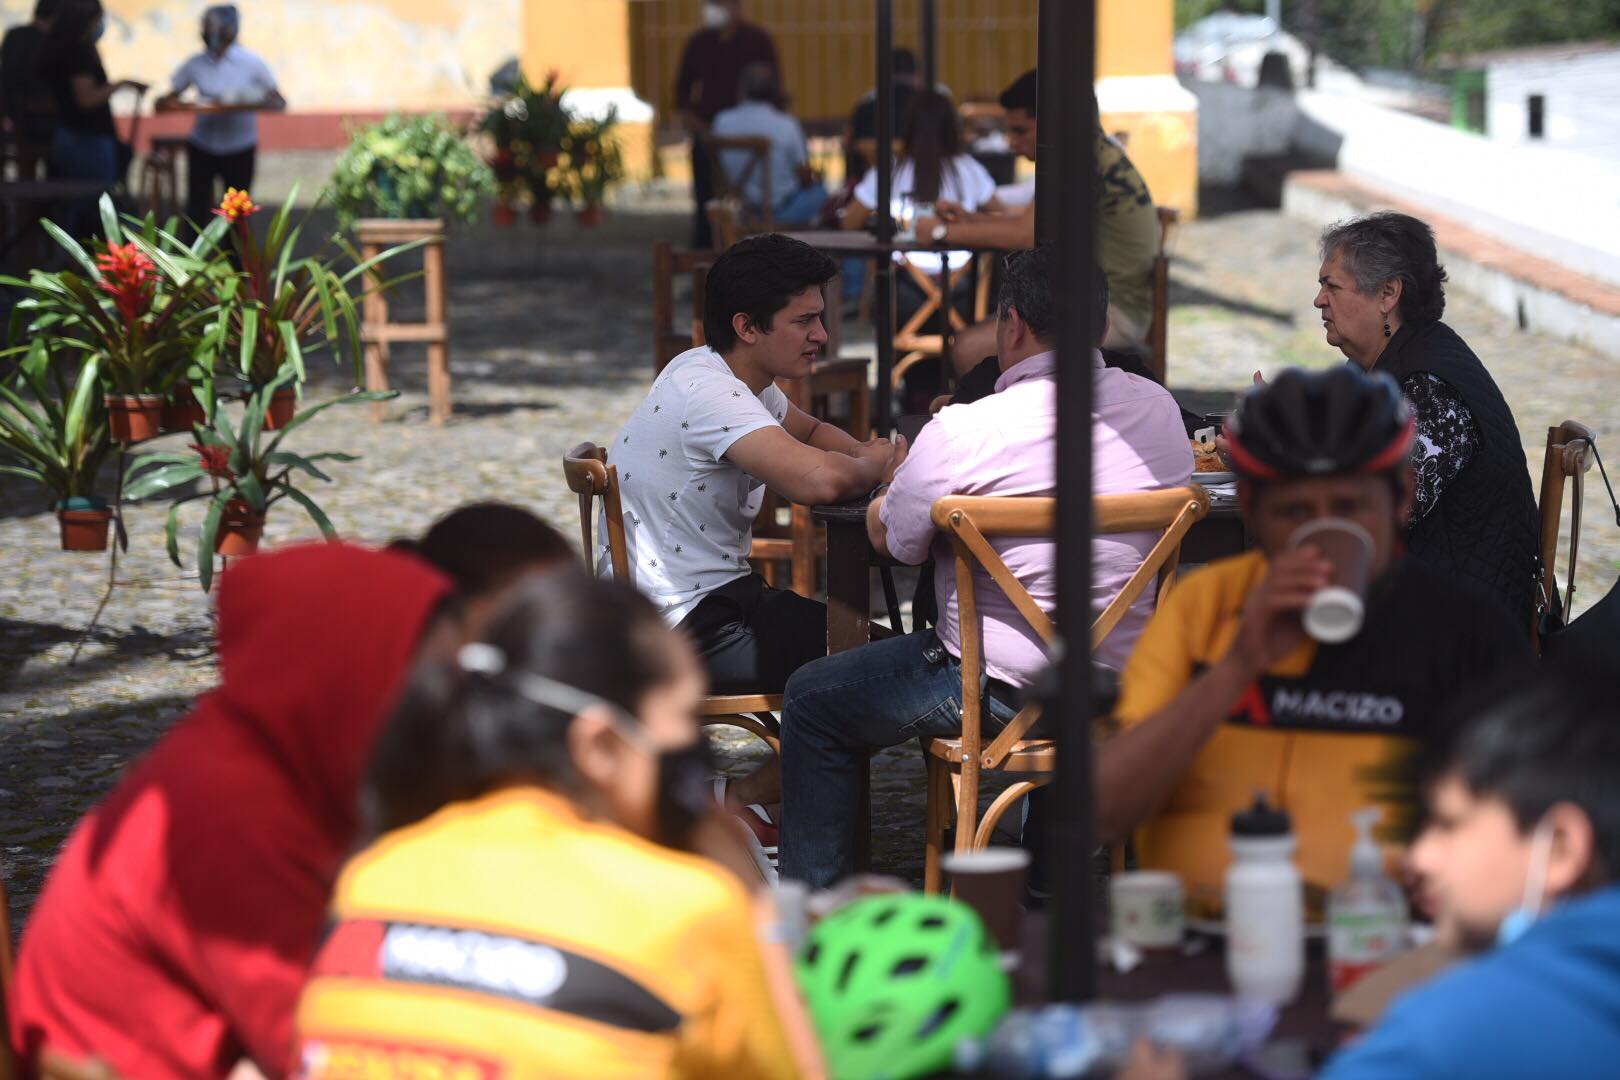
<point>1381,297</point>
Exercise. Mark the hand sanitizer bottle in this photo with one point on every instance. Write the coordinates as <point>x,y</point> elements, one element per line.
<point>1366,913</point>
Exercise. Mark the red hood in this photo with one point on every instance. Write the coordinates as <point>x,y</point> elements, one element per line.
<point>314,642</point>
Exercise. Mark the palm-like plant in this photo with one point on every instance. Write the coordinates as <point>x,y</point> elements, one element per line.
<point>246,476</point>
<point>59,439</point>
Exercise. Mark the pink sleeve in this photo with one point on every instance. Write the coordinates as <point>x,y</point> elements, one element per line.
<point>924,478</point>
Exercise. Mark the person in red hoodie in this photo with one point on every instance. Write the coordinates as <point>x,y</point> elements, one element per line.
<point>175,931</point>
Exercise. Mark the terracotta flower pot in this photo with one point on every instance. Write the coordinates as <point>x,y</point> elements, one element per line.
<point>133,418</point>
<point>182,411</point>
<point>540,212</point>
<point>505,215</point>
<point>280,413</point>
<point>544,159</point>
<point>590,216</point>
<point>84,529</point>
<point>240,528</point>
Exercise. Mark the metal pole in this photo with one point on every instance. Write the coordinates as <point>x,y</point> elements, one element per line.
<point>929,43</point>
<point>1067,126</point>
<point>883,294</point>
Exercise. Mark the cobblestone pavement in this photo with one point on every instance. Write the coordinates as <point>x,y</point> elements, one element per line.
<point>551,336</point>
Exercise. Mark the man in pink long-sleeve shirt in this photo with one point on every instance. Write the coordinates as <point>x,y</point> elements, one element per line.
<point>838,708</point>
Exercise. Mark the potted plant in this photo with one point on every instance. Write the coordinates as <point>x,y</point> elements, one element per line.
<point>409,167</point>
<point>594,163</point>
<point>246,477</point>
<point>142,304</point>
<point>59,440</point>
<point>529,126</point>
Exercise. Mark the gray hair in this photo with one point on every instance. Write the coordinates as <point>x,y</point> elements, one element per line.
<point>1385,247</point>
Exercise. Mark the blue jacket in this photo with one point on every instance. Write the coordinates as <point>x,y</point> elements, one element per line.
<point>1545,1007</point>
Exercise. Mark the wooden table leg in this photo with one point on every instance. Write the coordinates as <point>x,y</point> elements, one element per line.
<point>849,619</point>
<point>438,351</point>
<point>375,315</point>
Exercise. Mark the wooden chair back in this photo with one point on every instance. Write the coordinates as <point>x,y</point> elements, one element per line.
<point>670,338</point>
<point>755,156</point>
<point>590,477</point>
<point>1568,460</point>
<point>914,341</point>
<point>725,222</point>
<point>1159,329</point>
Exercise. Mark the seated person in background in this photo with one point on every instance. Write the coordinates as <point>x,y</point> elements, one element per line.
<point>837,708</point>
<point>695,457</point>
<point>863,118</point>
<point>486,548</point>
<point>795,197</point>
<point>1227,695</point>
<point>176,928</point>
<point>1519,858</point>
<point>1127,231</point>
<point>528,908</point>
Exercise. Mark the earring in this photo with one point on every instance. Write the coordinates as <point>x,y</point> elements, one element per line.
<point>1386,328</point>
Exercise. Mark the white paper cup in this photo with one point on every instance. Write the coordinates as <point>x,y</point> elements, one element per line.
<point>1335,614</point>
<point>1145,908</point>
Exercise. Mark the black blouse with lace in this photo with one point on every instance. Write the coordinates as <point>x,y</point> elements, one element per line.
<point>1447,437</point>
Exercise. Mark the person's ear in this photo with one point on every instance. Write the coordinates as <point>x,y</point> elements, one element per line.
<point>1389,297</point>
<point>593,746</point>
<point>1570,858</point>
<point>744,328</point>
<point>1017,329</point>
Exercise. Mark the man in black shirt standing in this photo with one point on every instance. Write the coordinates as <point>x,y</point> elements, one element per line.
<point>27,98</point>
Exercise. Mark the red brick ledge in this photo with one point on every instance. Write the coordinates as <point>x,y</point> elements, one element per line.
<point>278,131</point>
<point>1455,238</point>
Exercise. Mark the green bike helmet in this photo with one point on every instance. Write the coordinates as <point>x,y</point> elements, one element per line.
<point>894,982</point>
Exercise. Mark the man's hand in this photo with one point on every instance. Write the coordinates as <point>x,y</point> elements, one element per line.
<point>131,84</point>
<point>948,211</point>
<point>896,459</point>
<point>1150,1062</point>
<point>1271,627</point>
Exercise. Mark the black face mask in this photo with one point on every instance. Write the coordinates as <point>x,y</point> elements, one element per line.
<point>683,796</point>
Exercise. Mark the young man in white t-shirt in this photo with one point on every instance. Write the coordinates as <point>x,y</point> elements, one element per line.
<point>714,431</point>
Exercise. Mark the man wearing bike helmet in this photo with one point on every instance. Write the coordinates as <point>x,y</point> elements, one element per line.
<point>1227,694</point>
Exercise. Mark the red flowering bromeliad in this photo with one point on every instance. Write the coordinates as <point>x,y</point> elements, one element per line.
<point>216,461</point>
<point>130,278</point>
<point>237,206</point>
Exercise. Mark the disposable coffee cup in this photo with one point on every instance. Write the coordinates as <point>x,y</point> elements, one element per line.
<point>1334,615</point>
<point>1145,908</point>
<point>991,882</point>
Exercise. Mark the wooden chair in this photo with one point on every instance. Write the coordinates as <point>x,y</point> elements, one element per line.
<point>590,477</point>
<point>1569,459</point>
<point>1159,329</point>
<point>160,184</point>
<point>969,521</point>
<point>671,338</point>
<point>914,342</point>
<point>729,186</point>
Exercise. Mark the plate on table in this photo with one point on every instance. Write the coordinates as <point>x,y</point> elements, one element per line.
<point>1214,479</point>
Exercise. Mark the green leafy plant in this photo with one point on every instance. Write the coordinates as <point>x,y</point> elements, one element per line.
<point>140,300</point>
<point>241,469</point>
<point>594,161</point>
<point>529,127</point>
<point>59,438</point>
<point>409,167</point>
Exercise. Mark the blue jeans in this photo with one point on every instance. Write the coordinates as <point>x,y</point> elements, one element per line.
<point>802,207</point>
<point>836,710</point>
<point>80,155</point>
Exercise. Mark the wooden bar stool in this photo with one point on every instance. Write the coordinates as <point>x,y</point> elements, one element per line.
<point>160,177</point>
<point>378,333</point>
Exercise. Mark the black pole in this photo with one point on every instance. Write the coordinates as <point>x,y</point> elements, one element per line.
<point>1066,218</point>
<point>883,294</point>
<point>929,34</point>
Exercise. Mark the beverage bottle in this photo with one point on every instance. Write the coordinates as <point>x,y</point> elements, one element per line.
<point>1210,1031</point>
<point>1367,912</point>
<point>1265,907</point>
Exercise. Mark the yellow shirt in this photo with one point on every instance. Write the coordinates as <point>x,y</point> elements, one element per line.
<point>511,937</point>
<point>1320,731</point>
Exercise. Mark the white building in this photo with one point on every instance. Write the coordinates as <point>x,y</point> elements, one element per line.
<point>1566,96</point>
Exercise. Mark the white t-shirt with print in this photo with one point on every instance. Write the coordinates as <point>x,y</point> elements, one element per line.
<point>688,512</point>
<point>963,180</point>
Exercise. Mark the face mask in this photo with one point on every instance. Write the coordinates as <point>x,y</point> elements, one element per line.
<point>716,16</point>
<point>681,796</point>
<point>213,40</point>
<point>1518,921</point>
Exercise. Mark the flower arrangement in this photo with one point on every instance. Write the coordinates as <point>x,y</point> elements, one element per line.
<point>409,167</point>
<point>529,127</point>
<point>593,163</point>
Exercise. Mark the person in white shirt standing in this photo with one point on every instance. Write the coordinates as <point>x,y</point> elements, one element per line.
<point>695,457</point>
<point>223,146</point>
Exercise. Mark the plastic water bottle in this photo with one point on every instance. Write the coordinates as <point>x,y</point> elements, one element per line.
<point>1265,907</point>
<point>1366,913</point>
<point>1210,1031</point>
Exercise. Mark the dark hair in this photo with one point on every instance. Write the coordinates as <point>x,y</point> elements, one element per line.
<point>757,277</point>
<point>904,61</point>
<point>931,135</point>
<point>69,28</point>
<point>1388,246</point>
<point>46,9</point>
<point>457,735</point>
<point>1541,737</point>
<point>1024,93</point>
<point>758,82</point>
<point>1026,286</point>
<point>482,546</point>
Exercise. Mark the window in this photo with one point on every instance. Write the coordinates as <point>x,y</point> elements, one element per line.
<point>1538,115</point>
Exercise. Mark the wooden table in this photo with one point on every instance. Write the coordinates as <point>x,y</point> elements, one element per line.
<point>27,200</point>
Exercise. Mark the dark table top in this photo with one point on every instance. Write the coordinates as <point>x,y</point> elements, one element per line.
<point>51,189</point>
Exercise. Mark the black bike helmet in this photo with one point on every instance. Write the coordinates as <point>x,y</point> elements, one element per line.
<point>1320,423</point>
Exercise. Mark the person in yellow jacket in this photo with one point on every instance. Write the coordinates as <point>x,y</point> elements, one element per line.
<point>527,909</point>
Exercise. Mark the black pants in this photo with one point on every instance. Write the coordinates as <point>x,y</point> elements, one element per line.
<point>702,192</point>
<point>752,637</point>
<point>203,170</point>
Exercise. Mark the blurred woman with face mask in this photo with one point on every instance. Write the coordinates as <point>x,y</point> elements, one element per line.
<point>531,907</point>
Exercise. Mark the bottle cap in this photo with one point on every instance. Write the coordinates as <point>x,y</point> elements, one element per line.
<point>1261,819</point>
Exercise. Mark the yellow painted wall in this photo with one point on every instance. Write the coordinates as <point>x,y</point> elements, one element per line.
<point>1134,37</point>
